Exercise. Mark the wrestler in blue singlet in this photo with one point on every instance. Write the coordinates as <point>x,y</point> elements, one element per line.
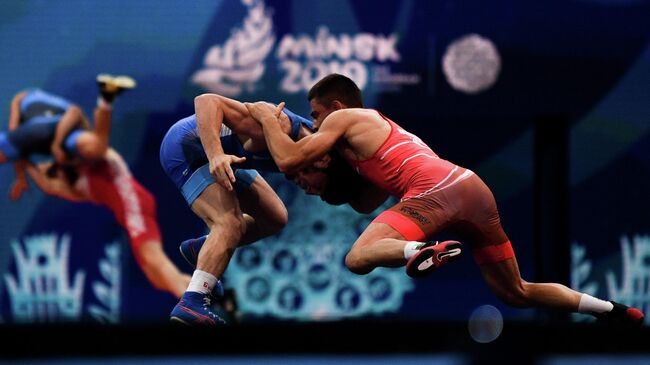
<point>40,113</point>
<point>185,162</point>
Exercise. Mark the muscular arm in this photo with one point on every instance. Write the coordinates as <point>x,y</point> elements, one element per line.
<point>56,186</point>
<point>70,119</point>
<point>14,110</point>
<point>292,156</point>
<point>212,111</point>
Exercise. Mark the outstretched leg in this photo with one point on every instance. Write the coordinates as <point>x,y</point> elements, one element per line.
<point>159,269</point>
<point>505,281</point>
<point>109,88</point>
<point>92,143</point>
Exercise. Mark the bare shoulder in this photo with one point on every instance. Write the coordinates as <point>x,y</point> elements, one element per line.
<point>353,115</point>
<point>362,118</point>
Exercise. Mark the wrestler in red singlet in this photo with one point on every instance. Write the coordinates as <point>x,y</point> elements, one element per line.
<point>109,183</point>
<point>435,194</point>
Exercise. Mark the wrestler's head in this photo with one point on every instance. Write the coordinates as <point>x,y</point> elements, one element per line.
<point>332,178</point>
<point>68,172</point>
<point>331,93</point>
<point>312,179</point>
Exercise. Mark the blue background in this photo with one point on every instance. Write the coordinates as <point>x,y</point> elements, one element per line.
<point>585,61</point>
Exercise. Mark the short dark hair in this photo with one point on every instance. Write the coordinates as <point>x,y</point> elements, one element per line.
<point>344,183</point>
<point>336,87</point>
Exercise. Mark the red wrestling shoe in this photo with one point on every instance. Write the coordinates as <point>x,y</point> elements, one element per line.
<point>622,314</point>
<point>431,256</point>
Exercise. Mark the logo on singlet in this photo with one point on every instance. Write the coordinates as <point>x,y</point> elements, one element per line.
<point>415,214</point>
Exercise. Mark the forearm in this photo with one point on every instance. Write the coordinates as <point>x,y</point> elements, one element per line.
<point>70,119</point>
<point>19,168</point>
<point>38,177</point>
<point>52,186</point>
<point>284,150</point>
<point>14,111</point>
<point>209,118</point>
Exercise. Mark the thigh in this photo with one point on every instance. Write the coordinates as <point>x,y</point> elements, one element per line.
<point>216,205</point>
<point>376,231</point>
<point>502,277</point>
<point>417,219</point>
<point>260,201</point>
<point>32,138</point>
<point>477,222</point>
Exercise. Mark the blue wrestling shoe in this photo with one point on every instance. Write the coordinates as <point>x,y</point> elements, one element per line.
<point>194,310</point>
<point>190,249</point>
<point>431,256</point>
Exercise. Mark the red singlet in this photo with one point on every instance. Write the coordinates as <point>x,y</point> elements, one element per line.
<point>404,166</point>
<point>436,195</point>
<point>109,183</point>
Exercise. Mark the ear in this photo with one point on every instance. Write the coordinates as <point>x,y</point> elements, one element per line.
<point>323,163</point>
<point>337,105</point>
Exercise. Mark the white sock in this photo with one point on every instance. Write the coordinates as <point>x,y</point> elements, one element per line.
<point>202,282</point>
<point>589,304</point>
<point>411,248</point>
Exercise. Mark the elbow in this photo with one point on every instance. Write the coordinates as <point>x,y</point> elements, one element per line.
<point>207,104</point>
<point>288,166</point>
<point>203,98</point>
<point>207,99</point>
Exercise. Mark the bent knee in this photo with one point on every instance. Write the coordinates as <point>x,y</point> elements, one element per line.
<point>271,223</point>
<point>230,225</point>
<point>514,295</point>
<point>235,223</point>
<point>355,263</point>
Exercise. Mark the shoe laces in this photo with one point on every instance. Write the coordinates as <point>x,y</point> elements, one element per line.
<point>207,301</point>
